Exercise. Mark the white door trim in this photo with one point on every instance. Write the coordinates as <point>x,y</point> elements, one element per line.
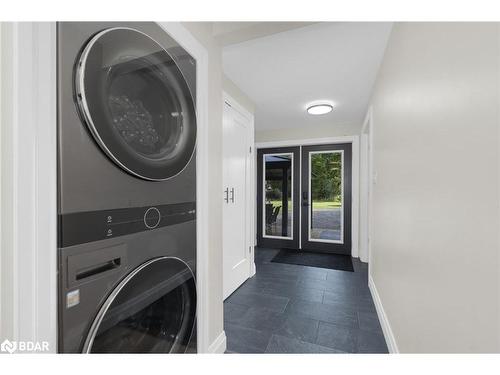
<point>354,140</point>
<point>200,54</point>
<point>251,196</point>
<point>363,197</point>
<point>218,346</point>
<point>237,106</point>
<point>366,211</point>
<point>29,179</point>
<point>307,141</point>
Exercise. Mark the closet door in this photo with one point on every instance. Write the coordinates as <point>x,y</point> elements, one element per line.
<point>237,215</point>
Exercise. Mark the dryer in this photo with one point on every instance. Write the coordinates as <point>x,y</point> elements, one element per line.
<point>126,190</point>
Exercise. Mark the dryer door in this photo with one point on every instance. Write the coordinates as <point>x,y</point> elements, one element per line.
<point>153,310</point>
<point>136,103</point>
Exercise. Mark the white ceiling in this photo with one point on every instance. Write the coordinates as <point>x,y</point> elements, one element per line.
<point>284,72</point>
<point>228,33</point>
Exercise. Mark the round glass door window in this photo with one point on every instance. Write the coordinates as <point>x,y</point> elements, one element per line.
<point>153,310</point>
<point>136,103</point>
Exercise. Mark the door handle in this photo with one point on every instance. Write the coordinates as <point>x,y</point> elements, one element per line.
<point>99,268</point>
<point>226,192</point>
<point>305,199</point>
<point>232,195</point>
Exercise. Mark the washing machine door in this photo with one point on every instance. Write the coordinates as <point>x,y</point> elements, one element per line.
<point>153,310</point>
<point>136,103</point>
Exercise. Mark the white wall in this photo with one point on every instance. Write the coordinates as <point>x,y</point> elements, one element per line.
<point>436,199</point>
<point>498,132</point>
<point>306,132</point>
<point>202,31</point>
<point>235,92</point>
<point>28,244</point>
<point>1,178</point>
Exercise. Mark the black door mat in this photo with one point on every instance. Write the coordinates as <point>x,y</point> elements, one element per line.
<point>320,260</point>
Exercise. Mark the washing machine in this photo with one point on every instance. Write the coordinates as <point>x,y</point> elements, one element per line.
<point>126,190</point>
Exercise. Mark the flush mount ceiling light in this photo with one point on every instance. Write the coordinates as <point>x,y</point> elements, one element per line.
<point>319,109</point>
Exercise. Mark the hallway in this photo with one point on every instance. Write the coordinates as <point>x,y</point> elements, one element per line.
<point>297,309</point>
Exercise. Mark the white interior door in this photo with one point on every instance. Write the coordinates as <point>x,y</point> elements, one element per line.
<point>237,218</point>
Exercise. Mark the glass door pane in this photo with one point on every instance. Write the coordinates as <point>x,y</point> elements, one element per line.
<point>326,196</point>
<point>278,192</point>
<point>278,197</point>
<point>152,310</point>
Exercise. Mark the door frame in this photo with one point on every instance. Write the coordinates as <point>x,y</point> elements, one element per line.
<point>354,140</point>
<point>250,229</point>
<point>366,192</point>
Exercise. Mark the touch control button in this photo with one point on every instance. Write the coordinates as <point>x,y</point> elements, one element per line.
<point>152,217</point>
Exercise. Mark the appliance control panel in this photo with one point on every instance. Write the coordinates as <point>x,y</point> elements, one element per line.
<point>89,226</point>
<point>152,217</point>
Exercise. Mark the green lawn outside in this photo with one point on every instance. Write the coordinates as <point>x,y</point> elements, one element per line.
<point>316,204</point>
<point>326,204</point>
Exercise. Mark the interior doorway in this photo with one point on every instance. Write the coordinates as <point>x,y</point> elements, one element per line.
<point>304,196</point>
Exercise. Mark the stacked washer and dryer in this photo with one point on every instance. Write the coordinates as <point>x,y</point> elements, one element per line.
<point>126,190</point>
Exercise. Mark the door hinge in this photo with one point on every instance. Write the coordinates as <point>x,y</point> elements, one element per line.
<point>250,249</point>
<point>250,149</point>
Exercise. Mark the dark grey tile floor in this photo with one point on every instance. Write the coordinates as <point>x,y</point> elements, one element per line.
<point>288,308</point>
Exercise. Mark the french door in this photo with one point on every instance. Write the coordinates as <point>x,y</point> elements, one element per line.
<point>304,198</point>
<point>326,198</point>
<point>278,194</point>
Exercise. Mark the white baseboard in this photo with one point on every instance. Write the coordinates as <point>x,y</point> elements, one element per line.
<point>382,317</point>
<point>218,346</point>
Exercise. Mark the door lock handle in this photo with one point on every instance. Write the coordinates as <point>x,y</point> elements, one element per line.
<point>305,199</point>
<point>226,192</point>
<point>232,195</point>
